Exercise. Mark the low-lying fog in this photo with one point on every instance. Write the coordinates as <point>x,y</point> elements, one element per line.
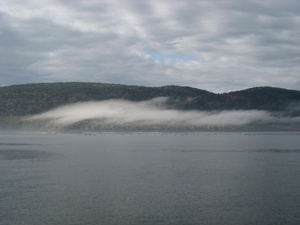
<point>152,112</point>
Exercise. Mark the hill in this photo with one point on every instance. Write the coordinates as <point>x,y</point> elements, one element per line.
<point>17,101</point>
<point>29,99</point>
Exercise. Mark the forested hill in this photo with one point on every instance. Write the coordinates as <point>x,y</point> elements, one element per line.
<point>29,99</point>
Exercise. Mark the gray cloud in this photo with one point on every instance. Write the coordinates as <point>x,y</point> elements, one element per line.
<point>152,112</point>
<point>214,45</point>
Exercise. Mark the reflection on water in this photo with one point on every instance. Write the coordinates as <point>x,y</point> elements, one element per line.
<point>13,144</point>
<point>150,179</point>
<point>15,154</point>
<point>243,151</point>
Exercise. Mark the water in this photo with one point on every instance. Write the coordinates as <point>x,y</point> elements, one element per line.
<point>150,178</point>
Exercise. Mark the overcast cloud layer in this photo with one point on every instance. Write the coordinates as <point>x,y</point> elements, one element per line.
<point>214,45</point>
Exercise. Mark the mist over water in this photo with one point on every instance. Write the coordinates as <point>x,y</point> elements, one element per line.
<point>153,112</point>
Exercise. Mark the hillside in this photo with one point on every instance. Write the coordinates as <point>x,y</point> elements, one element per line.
<point>29,99</point>
<point>18,101</point>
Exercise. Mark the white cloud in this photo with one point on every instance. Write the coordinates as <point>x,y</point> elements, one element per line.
<point>155,112</point>
<point>152,112</point>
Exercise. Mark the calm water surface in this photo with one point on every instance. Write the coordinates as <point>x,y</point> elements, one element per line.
<point>150,178</point>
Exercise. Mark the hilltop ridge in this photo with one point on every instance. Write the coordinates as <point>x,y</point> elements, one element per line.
<point>20,101</point>
<point>29,99</point>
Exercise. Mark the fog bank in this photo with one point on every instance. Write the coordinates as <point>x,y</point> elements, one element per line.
<point>152,112</point>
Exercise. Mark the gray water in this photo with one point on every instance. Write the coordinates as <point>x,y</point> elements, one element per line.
<point>150,178</point>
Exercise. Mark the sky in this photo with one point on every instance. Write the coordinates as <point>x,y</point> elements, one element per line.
<point>215,45</point>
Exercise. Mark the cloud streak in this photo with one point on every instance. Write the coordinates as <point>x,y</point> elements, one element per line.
<point>152,112</point>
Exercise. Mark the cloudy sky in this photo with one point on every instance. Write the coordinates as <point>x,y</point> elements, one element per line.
<point>208,44</point>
